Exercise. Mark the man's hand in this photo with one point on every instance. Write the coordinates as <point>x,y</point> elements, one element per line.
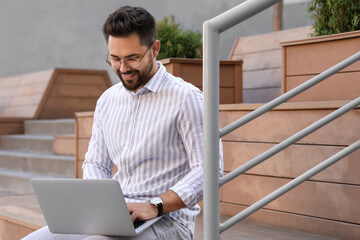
<point>142,211</point>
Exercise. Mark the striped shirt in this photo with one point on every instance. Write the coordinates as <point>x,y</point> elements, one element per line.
<point>155,138</point>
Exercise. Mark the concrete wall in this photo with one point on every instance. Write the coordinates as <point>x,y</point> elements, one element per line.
<point>42,34</point>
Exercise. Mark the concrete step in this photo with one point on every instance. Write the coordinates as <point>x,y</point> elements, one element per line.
<point>17,182</point>
<point>44,164</point>
<point>64,145</point>
<point>50,127</point>
<point>28,143</point>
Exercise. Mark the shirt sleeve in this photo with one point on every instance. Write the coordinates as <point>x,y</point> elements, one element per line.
<point>97,164</point>
<point>190,187</point>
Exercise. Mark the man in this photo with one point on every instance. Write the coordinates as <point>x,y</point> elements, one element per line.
<point>151,127</point>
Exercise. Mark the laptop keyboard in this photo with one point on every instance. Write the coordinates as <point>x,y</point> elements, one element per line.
<point>138,223</point>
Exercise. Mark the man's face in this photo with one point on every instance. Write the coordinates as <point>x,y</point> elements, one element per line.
<point>133,74</point>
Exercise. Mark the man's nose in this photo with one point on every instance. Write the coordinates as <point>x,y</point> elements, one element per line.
<point>124,67</point>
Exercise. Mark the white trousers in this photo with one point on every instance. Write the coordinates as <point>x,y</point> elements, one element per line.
<point>164,229</point>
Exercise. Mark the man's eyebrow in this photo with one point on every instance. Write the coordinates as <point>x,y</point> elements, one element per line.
<point>128,56</point>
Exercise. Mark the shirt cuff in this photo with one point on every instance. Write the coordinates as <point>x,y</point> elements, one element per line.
<point>186,193</point>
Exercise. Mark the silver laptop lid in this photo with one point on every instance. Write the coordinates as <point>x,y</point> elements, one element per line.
<point>84,206</point>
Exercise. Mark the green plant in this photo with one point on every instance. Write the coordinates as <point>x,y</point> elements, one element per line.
<point>334,16</point>
<point>176,42</point>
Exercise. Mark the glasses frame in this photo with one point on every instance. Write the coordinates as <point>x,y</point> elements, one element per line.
<point>125,60</point>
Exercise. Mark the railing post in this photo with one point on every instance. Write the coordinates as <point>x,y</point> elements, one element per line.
<point>211,133</point>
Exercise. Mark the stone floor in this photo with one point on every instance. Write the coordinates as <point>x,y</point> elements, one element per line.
<point>25,209</point>
<point>254,231</point>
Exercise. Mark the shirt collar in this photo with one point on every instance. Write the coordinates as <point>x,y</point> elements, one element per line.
<point>155,82</point>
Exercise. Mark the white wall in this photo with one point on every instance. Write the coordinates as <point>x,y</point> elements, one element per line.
<point>43,34</point>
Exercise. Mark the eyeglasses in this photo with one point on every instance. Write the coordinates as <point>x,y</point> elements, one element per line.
<point>129,61</point>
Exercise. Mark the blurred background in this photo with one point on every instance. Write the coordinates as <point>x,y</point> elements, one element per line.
<point>42,34</point>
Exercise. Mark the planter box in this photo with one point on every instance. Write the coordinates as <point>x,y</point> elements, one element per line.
<point>191,71</point>
<point>304,59</point>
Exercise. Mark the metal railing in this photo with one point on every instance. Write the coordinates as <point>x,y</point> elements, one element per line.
<point>211,30</point>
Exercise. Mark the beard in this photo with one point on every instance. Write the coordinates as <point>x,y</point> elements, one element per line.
<point>139,77</point>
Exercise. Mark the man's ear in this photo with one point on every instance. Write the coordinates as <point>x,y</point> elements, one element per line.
<point>156,48</point>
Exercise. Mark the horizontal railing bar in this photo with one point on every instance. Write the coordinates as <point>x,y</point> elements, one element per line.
<point>286,96</point>
<point>239,13</point>
<point>290,185</point>
<point>287,142</point>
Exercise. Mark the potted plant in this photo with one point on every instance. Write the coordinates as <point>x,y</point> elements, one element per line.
<point>181,53</point>
<point>336,37</point>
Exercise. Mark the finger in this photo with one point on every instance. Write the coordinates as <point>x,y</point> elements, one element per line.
<point>133,216</point>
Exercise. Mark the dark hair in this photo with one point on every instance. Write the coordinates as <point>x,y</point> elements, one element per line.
<point>127,20</point>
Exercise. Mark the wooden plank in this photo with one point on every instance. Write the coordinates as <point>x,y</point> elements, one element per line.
<point>84,126</point>
<point>9,82</point>
<point>55,114</point>
<point>19,111</point>
<point>11,128</point>
<point>260,60</point>
<point>238,84</point>
<point>325,56</point>
<point>13,231</point>
<point>293,161</point>
<point>338,202</point>
<point>82,148</point>
<point>267,41</point>
<point>36,77</point>
<point>317,105</point>
<point>66,103</point>
<point>35,88</point>
<point>341,86</point>
<point>276,126</point>
<point>325,227</point>
<point>227,95</point>
<point>77,91</point>
<point>83,78</point>
<point>64,144</point>
<point>21,100</point>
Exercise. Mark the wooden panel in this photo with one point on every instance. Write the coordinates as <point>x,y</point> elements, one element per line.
<point>318,199</point>
<point>54,114</point>
<point>320,56</point>
<point>341,86</point>
<point>325,227</point>
<point>191,71</point>
<point>27,96</point>
<point>26,100</point>
<point>64,144</point>
<point>264,42</point>
<point>84,127</point>
<point>11,128</point>
<point>13,231</point>
<point>79,91</point>
<point>9,82</point>
<point>66,103</point>
<point>260,60</point>
<point>19,111</point>
<point>82,148</point>
<point>82,78</point>
<point>227,95</point>
<point>294,161</point>
<point>276,126</point>
<point>227,76</point>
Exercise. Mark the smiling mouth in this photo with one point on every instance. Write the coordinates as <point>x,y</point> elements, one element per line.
<point>128,76</point>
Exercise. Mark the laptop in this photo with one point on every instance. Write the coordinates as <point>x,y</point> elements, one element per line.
<point>86,206</point>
